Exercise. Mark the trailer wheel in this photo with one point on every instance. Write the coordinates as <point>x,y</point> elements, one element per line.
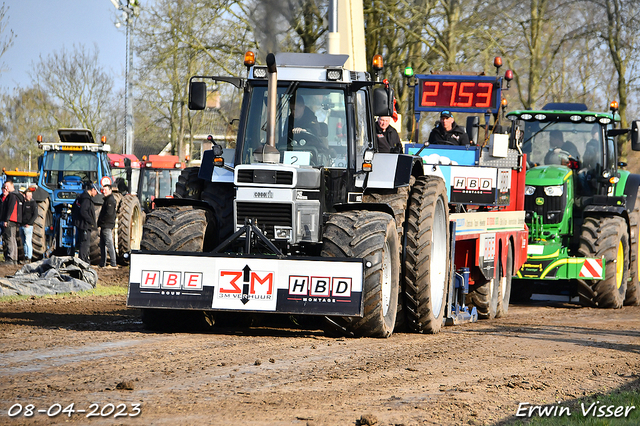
<point>426,265</point>
<point>505,283</point>
<point>373,237</point>
<point>189,185</point>
<point>632,296</point>
<point>220,197</point>
<point>43,238</point>
<point>608,237</point>
<point>485,298</point>
<point>130,220</point>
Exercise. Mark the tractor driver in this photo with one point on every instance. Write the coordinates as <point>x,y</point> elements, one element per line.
<point>559,150</point>
<point>304,120</point>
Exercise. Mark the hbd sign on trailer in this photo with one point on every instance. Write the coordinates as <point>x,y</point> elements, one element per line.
<point>320,286</point>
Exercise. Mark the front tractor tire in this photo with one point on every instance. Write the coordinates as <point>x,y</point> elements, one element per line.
<point>171,229</point>
<point>608,237</point>
<point>372,236</point>
<point>427,255</point>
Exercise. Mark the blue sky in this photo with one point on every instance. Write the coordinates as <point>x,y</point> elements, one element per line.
<point>46,26</point>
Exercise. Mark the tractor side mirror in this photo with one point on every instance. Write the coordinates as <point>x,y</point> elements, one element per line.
<point>383,102</point>
<point>635,135</point>
<point>197,95</point>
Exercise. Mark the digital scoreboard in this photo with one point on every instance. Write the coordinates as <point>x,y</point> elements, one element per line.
<point>459,93</point>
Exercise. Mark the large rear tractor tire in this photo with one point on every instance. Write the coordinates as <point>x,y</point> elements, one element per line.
<point>632,297</point>
<point>426,263</point>
<point>373,237</point>
<point>189,185</point>
<point>505,279</point>
<point>130,222</point>
<point>608,237</point>
<point>172,229</point>
<point>43,239</point>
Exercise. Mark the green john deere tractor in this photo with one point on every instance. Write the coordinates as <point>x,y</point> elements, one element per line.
<point>582,209</point>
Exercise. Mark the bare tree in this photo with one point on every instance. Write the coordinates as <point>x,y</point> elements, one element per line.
<point>6,37</point>
<point>78,85</point>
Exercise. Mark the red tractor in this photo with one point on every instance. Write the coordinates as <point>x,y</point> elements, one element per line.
<point>158,177</point>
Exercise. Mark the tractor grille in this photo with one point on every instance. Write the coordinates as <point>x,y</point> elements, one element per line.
<point>272,177</point>
<point>550,205</point>
<point>267,215</point>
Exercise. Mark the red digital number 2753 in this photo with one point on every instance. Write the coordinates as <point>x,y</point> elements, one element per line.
<point>457,94</point>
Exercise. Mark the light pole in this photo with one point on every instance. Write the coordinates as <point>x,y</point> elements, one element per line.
<point>130,9</point>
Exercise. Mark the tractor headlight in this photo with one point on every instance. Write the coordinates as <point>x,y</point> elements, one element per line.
<point>529,190</point>
<point>554,191</point>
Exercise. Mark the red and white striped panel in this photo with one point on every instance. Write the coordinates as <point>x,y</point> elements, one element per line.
<point>592,268</point>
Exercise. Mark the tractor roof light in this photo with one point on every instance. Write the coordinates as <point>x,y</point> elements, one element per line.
<point>260,72</point>
<point>249,59</point>
<point>378,63</point>
<point>508,75</point>
<point>504,102</point>
<point>39,138</point>
<point>590,119</point>
<point>334,74</point>
<point>613,106</point>
<point>604,120</point>
<point>103,139</point>
<point>408,72</point>
<point>497,62</point>
<point>526,116</point>
<point>540,117</point>
<point>575,118</point>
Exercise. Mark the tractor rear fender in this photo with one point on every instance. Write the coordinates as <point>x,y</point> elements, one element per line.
<point>631,190</point>
<point>390,171</point>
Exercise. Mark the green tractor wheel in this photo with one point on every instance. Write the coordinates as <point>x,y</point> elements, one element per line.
<point>632,296</point>
<point>608,237</point>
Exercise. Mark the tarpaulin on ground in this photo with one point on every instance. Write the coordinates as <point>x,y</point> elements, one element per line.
<point>55,275</point>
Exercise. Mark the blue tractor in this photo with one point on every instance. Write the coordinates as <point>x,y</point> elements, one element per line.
<point>64,167</point>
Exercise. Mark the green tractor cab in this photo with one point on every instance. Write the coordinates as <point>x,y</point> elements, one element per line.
<point>581,209</point>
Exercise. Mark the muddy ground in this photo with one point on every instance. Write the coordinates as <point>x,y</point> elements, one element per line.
<point>93,350</point>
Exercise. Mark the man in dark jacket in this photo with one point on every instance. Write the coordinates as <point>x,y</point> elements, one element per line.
<point>29,215</point>
<point>11,219</point>
<point>106,222</point>
<point>3,198</point>
<point>86,220</point>
<point>388,138</point>
<point>447,132</point>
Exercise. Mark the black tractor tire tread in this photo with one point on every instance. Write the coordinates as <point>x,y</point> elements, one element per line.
<point>420,315</point>
<point>601,236</point>
<point>220,197</point>
<point>175,228</point>
<point>362,234</point>
<point>397,199</point>
<point>189,185</point>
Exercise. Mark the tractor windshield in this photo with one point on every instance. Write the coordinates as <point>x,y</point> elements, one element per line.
<point>69,167</point>
<point>310,128</point>
<point>555,142</point>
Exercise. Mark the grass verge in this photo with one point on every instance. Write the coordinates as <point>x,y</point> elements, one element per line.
<point>99,290</point>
